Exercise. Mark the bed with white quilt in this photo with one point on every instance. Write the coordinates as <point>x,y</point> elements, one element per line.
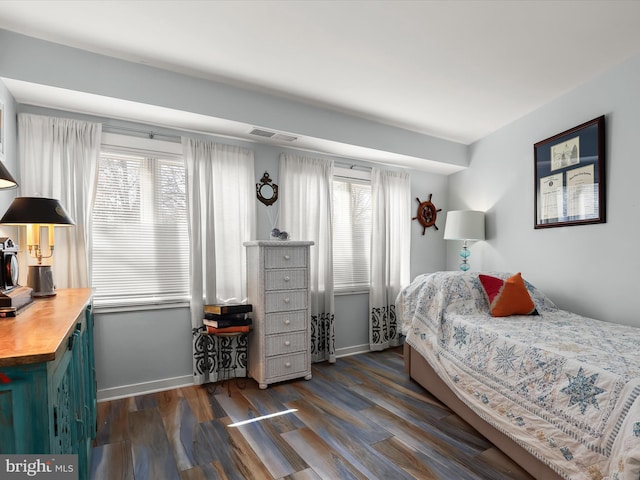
<point>557,392</point>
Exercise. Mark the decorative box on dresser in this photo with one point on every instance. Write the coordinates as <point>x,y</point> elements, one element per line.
<point>47,378</point>
<point>278,289</point>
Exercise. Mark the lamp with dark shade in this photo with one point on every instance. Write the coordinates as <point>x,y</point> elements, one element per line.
<point>465,225</point>
<point>6,180</point>
<point>34,213</point>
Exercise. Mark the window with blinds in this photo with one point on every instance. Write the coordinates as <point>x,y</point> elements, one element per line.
<point>140,233</point>
<point>351,232</point>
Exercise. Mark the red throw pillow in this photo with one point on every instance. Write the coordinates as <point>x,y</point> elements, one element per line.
<point>507,297</point>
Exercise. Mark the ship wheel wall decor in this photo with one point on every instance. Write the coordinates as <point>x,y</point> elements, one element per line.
<point>427,214</point>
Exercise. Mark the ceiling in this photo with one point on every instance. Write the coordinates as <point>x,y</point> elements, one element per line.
<point>457,70</point>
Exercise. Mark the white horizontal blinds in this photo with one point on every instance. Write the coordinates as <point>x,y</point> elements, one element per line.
<point>140,232</point>
<point>351,233</point>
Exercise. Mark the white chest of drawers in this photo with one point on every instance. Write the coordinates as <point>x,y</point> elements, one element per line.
<point>278,289</point>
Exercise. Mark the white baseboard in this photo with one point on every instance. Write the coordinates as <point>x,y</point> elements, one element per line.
<point>125,391</point>
<point>352,350</point>
<point>143,388</point>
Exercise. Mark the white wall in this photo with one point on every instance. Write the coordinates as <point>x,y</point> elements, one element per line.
<point>589,269</point>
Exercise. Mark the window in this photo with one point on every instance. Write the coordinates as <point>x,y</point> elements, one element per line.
<point>351,230</point>
<point>140,231</point>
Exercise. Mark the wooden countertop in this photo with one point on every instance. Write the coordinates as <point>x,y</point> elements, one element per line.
<point>40,330</point>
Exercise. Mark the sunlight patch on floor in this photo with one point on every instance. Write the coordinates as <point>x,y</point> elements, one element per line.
<point>263,417</point>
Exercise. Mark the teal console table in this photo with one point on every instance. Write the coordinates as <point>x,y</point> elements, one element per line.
<point>47,378</point>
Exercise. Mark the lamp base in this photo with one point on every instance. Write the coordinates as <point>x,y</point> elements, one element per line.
<point>465,253</point>
<point>40,279</point>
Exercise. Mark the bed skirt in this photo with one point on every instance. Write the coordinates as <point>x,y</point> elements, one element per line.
<point>420,371</point>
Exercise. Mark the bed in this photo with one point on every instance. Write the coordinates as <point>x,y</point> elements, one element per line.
<point>557,392</point>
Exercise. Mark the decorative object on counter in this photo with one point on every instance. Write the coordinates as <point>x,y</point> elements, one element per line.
<point>12,295</point>
<point>569,180</point>
<point>427,214</point>
<point>34,213</point>
<point>466,225</point>
<point>280,235</point>
<point>8,312</point>
<point>266,190</point>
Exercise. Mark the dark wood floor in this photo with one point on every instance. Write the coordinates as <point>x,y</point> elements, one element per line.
<point>360,418</point>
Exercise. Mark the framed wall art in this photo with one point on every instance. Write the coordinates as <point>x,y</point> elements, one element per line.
<point>570,177</point>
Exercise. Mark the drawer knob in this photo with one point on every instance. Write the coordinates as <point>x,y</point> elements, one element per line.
<point>287,300</point>
<point>287,257</point>
<point>287,343</point>
<point>287,322</point>
<point>286,279</point>
<point>288,364</point>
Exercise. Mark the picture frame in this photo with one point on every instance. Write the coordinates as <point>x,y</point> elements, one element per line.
<point>2,129</point>
<point>569,178</point>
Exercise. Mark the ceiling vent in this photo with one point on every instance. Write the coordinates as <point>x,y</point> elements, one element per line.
<point>262,133</point>
<point>284,137</point>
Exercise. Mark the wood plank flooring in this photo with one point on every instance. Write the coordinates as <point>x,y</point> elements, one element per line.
<point>360,418</point>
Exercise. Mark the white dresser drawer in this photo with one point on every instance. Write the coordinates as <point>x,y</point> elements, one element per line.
<point>285,279</point>
<point>285,343</point>
<point>278,285</point>
<point>285,322</point>
<point>285,301</point>
<point>285,257</point>
<point>286,364</point>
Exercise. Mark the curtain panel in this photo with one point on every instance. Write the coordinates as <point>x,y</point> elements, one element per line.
<point>58,158</point>
<point>390,253</point>
<point>222,215</point>
<point>306,209</point>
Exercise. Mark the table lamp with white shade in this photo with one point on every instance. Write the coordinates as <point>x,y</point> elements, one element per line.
<point>465,225</point>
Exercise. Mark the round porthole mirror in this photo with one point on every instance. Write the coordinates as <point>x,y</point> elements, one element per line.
<point>266,190</point>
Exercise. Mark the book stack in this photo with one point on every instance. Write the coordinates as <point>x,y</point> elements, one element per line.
<point>227,318</point>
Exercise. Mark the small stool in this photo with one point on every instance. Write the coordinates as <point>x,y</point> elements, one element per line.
<point>224,370</point>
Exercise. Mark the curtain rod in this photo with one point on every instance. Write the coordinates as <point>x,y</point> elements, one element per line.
<point>147,133</point>
<point>351,166</point>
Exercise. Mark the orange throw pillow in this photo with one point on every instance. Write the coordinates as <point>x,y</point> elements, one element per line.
<point>507,297</point>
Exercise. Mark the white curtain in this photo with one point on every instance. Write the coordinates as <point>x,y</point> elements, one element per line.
<point>222,215</point>
<point>58,158</point>
<point>305,213</point>
<point>390,253</point>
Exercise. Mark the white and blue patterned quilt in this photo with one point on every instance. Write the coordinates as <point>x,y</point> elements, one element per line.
<point>565,387</point>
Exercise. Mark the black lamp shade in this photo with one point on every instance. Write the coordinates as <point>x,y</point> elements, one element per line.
<point>6,180</point>
<point>36,210</point>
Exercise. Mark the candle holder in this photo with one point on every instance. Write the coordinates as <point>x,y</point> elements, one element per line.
<point>35,213</point>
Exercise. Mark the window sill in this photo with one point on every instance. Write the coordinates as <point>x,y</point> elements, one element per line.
<point>136,307</point>
<point>351,291</point>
